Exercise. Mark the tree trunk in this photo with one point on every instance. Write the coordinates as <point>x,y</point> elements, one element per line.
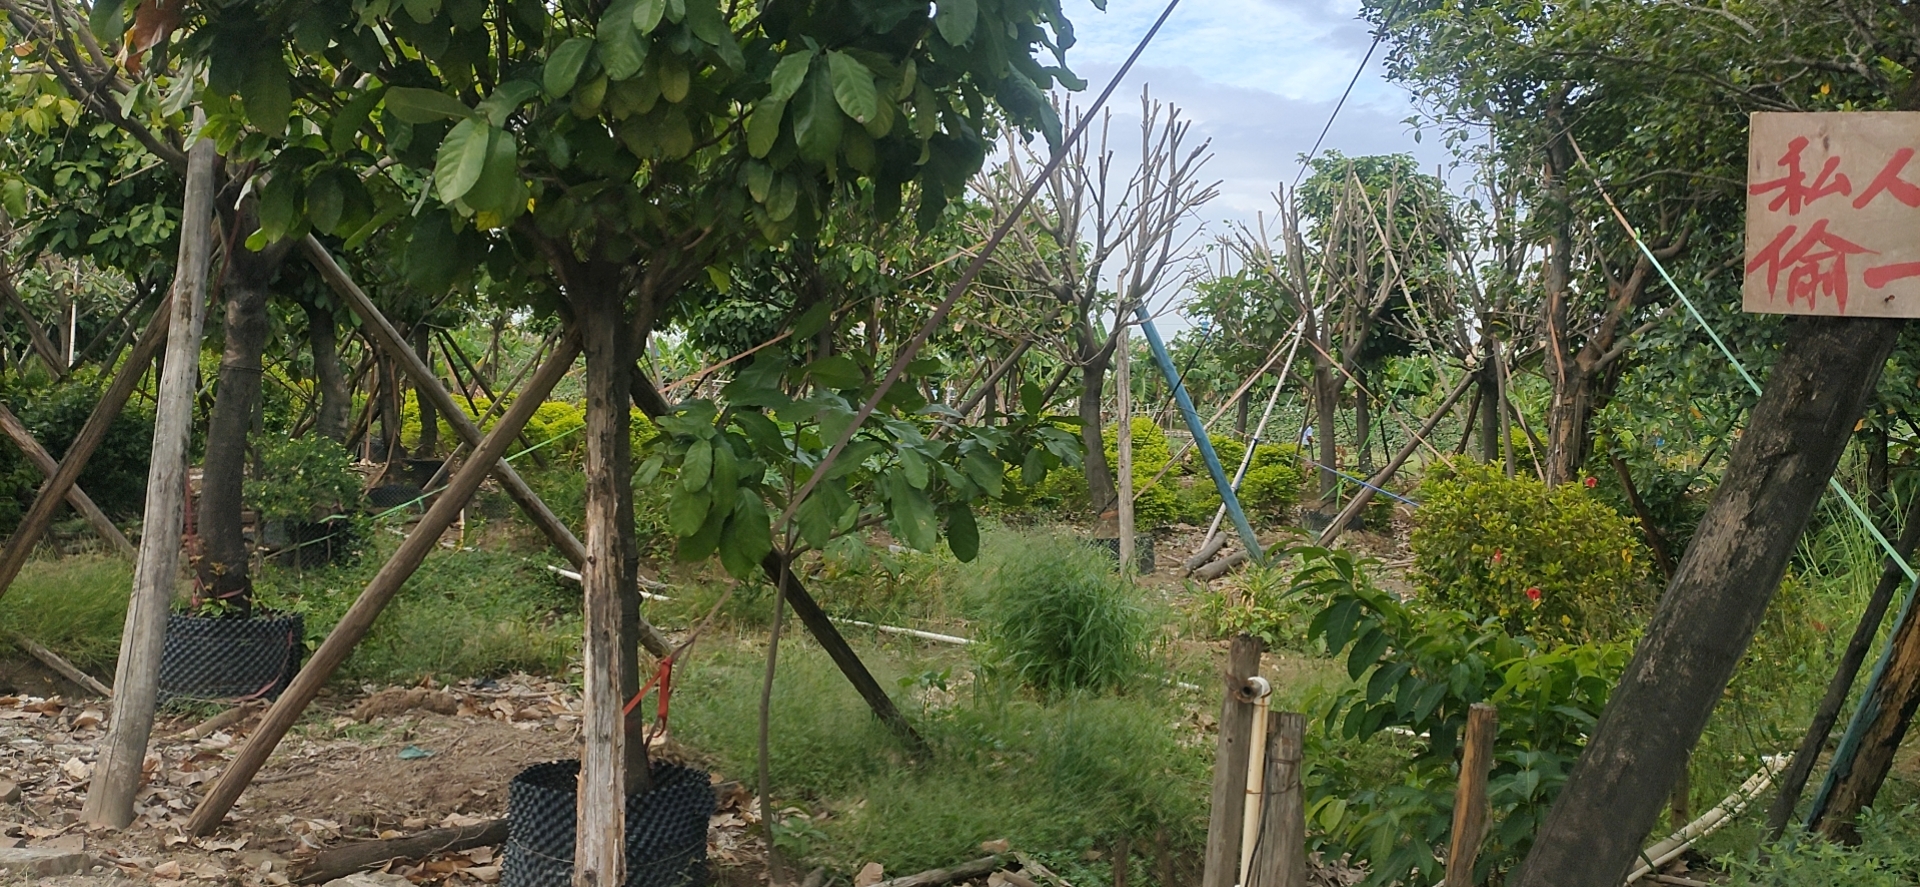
<point>1326,405</point>
<point>1240,409</point>
<point>117,775</point>
<point>1877,473</point>
<point>1567,422</point>
<point>323,335</point>
<point>1778,470</point>
<point>223,544</point>
<point>387,381</point>
<point>1100,486</point>
<point>1489,418</point>
<point>429,417</point>
<point>606,773</point>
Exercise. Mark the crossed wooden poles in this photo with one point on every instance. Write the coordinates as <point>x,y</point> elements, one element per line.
<point>487,452</point>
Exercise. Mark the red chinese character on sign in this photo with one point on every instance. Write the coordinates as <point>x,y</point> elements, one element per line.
<point>1816,265</point>
<point>1889,181</point>
<point>1795,193</point>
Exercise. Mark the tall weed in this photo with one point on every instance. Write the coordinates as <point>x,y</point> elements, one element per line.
<point>1059,618</point>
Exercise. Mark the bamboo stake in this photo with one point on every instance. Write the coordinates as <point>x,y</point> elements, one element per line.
<point>117,775</point>
<point>1123,436</point>
<point>76,497</point>
<point>1470,797</point>
<point>353,626</point>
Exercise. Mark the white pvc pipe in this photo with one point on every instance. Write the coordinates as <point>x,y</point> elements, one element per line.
<point>1256,773</point>
<point>1658,855</point>
<point>569,574</point>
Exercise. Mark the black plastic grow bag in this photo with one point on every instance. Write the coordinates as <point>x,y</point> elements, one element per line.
<point>666,827</point>
<point>215,658</point>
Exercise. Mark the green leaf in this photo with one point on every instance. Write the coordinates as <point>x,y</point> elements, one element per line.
<point>912,513</point>
<point>984,471</point>
<point>761,430</point>
<point>956,20</point>
<point>563,66</point>
<point>703,541</point>
<point>623,49</point>
<point>963,533</point>
<point>817,119</point>
<point>748,536</point>
<point>108,20</point>
<point>763,126</point>
<point>686,512</point>
<point>837,372</point>
<point>425,105</point>
<point>913,466</point>
<point>726,472</point>
<point>267,95</point>
<point>648,472</point>
<point>647,13</point>
<point>789,74</point>
<point>278,207</point>
<point>325,200</point>
<point>815,520</point>
<point>705,21</point>
<point>675,80</point>
<point>1032,399</point>
<point>697,468</point>
<point>508,97</point>
<point>350,120</point>
<point>852,86</point>
<point>461,160</point>
<point>812,321</point>
<point>498,188</point>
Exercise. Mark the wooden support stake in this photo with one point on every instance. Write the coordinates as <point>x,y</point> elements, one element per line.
<point>59,663</point>
<point>1231,755</point>
<point>117,774</point>
<point>76,497</point>
<point>1470,798</point>
<point>359,618</point>
<point>1123,450</point>
<point>1281,858</point>
<point>40,514</point>
<point>42,346</point>
<point>382,333</point>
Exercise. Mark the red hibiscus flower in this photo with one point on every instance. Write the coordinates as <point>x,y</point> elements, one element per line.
<point>1533,594</point>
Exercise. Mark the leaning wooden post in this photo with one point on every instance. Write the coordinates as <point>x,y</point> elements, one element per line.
<point>1364,495</point>
<point>39,515</point>
<point>76,497</point>
<point>1281,858</point>
<point>1470,797</point>
<point>116,777</point>
<point>359,618</point>
<point>1123,449</point>
<point>1231,754</point>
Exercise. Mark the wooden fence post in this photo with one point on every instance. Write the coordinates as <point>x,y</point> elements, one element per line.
<point>1470,798</point>
<point>1281,858</point>
<point>116,777</point>
<point>359,618</point>
<point>1231,751</point>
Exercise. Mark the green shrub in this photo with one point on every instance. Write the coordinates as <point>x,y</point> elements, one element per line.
<point>1059,618</point>
<point>115,477</point>
<point>303,479</point>
<point>1885,857</point>
<point>1416,672</point>
<point>1555,564</point>
<point>1270,491</point>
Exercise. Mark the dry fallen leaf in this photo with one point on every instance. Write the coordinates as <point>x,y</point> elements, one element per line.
<point>870,874</point>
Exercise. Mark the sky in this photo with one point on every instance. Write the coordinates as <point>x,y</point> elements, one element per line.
<point>1259,78</point>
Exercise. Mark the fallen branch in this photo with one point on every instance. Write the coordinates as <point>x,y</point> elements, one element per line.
<point>342,861</point>
<point>934,877</point>
<point>1220,567</point>
<point>220,721</point>
<point>60,665</point>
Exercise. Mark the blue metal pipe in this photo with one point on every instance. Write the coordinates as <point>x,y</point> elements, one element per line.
<point>1200,440</point>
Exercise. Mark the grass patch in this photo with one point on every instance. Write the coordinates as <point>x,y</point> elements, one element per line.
<point>73,605</point>
<point>1056,776</point>
<point>462,614</point>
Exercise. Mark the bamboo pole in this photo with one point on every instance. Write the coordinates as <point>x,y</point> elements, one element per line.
<point>358,620</point>
<point>40,514</point>
<point>1231,754</point>
<point>117,775</point>
<point>76,497</point>
<point>1470,797</point>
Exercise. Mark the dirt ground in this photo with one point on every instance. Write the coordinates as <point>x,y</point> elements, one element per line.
<point>359,766</point>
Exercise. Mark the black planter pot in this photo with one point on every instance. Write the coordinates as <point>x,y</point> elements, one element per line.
<point>666,827</point>
<point>221,658</point>
<point>1143,555</point>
